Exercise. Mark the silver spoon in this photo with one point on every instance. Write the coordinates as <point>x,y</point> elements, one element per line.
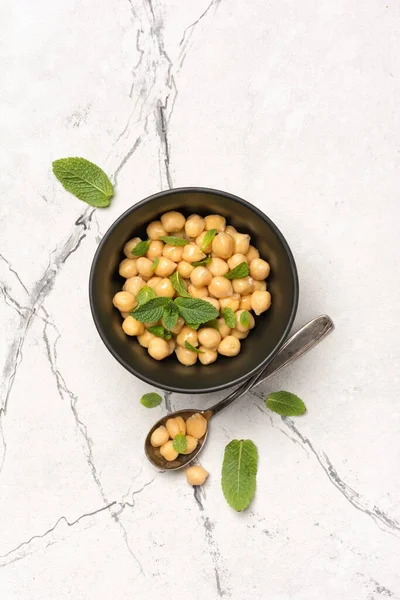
<point>301,342</point>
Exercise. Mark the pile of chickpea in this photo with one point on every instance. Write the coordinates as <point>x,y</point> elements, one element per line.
<point>193,429</point>
<point>228,249</point>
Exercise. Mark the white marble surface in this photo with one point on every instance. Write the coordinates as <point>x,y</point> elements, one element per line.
<point>294,106</point>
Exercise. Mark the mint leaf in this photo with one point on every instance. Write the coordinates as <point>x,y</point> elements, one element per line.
<point>174,241</point>
<point>244,318</point>
<point>179,285</point>
<point>208,238</point>
<point>180,443</point>
<point>141,248</point>
<point>193,325</point>
<point>189,346</point>
<point>195,310</point>
<point>285,404</point>
<point>145,294</point>
<point>85,180</point>
<point>201,263</point>
<point>150,400</point>
<point>150,311</point>
<point>155,263</point>
<point>170,316</point>
<point>229,317</point>
<point>240,271</point>
<point>157,330</point>
<point>239,471</point>
<point>214,324</point>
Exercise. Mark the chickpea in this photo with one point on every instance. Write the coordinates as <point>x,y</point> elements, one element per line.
<point>259,269</point>
<point>194,226</point>
<point>209,337</point>
<point>236,260</point>
<point>153,282</point>
<point>177,328</point>
<point>187,334</point>
<point>218,267</point>
<point>168,451</point>
<point>155,230</point>
<point>200,243</point>
<point>174,253</point>
<point>165,267</point>
<point>231,302</point>
<point>144,266</point>
<point>191,444</point>
<point>132,327</point>
<point>192,253</point>
<point>127,268</point>
<point>259,286</point>
<point>208,356</point>
<point>175,426</point>
<point>155,249</point>
<point>173,221</point>
<point>171,345</point>
<point>241,327</point>
<point>220,287</point>
<point>185,356</point>
<point>223,245</point>
<point>242,243</point>
<point>214,302</point>
<point>224,330</point>
<point>196,475</point>
<point>129,246</point>
<point>124,301</point>
<point>158,348</point>
<point>184,269</point>
<point>201,292</point>
<point>230,346</point>
<point>196,426</point>
<point>231,230</point>
<point>180,234</point>
<point>125,314</point>
<point>252,253</point>
<point>200,276</point>
<point>243,286</point>
<point>133,285</point>
<point>240,335</point>
<point>159,437</point>
<point>145,339</point>
<point>260,301</point>
<point>165,288</point>
<point>245,303</point>
<point>217,222</point>
<point>151,324</point>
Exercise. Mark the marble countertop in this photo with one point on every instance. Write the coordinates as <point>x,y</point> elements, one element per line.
<point>295,107</point>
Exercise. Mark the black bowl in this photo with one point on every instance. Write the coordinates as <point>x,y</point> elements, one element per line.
<point>271,328</point>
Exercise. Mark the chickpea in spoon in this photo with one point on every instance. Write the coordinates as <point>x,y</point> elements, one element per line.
<point>193,288</point>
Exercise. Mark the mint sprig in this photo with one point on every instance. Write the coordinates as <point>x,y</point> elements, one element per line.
<point>208,238</point>
<point>286,404</point>
<point>189,346</point>
<point>239,272</point>
<point>145,294</point>
<point>180,443</point>
<point>171,240</point>
<point>179,285</point>
<point>150,400</point>
<point>239,471</point>
<point>229,317</point>
<point>85,180</point>
<point>141,248</point>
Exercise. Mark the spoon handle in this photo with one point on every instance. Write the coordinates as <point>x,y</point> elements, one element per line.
<point>301,342</point>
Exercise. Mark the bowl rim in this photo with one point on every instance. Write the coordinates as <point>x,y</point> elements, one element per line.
<point>267,359</point>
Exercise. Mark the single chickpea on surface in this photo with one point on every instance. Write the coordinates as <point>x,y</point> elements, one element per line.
<point>196,426</point>
<point>197,292</point>
<point>159,437</point>
<point>173,221</point>
<point>192,253</point>
<point>196,475</point>
<point>239,325</point>
<point>223,245</point>
<point>191,444</point>
<point>236,259</point>
<point>243,286</point>
<point>168,451</point>
<point>200,276</point>
<point>240,335</point>
<point>175,426</point>
<point>259,286</point>
<point>132,327</point>
<point>158,348</point>
<point>259,269</point>
<point>125,314</point>
<point>145,339</point>
<point>127,268</point>
<point>165,267</point>
<point>231,302</point>
<point>155,230</point>
<point>133,285</point>
<point>245,302</point>
<point>217,222</point>
<point>209,337</point>
<point>220,287</point>
<point>207,355</point>
<point>252,253</point>
<point>130,245</point>
<point>223,328</point>
<point>194,226</point>
<point>230,346</point>
<point>144,266</point>
<point>174,253</point>
<point>184,269</point>
<point>124,301</point>
<point>242,243</point>
<point>186,357</point>
<point>231,230</point>
<point>187,334</point>
<point>155,249</point>
<point>165,288</point>
<point>153,282</point>
<point>260,301</point>
<point>218,267</point>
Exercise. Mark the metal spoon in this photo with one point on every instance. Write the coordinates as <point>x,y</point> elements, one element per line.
<point>301,342</point>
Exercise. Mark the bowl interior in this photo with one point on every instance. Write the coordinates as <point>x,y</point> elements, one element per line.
<point>271,327</point>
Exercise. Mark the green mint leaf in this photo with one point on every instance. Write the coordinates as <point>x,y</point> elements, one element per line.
<point>285,404</point>
<point>145,294</point>
<point>195,310</point>
<point>229,317</point>
<point>240,271</point>
<point>193,325</point>
<point>157,330</point>
<point>174,241</point>
<point>245,318</point>
<point>85,180</point>
<point>179,285</point>
<point>170,316</point>
<point>189,346</point>
<point>150,400</point>
<point>180,443</point>
<point>155,263</point>
<point>208,238</point>
<point>141,248</point>
<point>202,263</point>
<point>213,323</point>
<point>239,471</point>
<point>150,311</point>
